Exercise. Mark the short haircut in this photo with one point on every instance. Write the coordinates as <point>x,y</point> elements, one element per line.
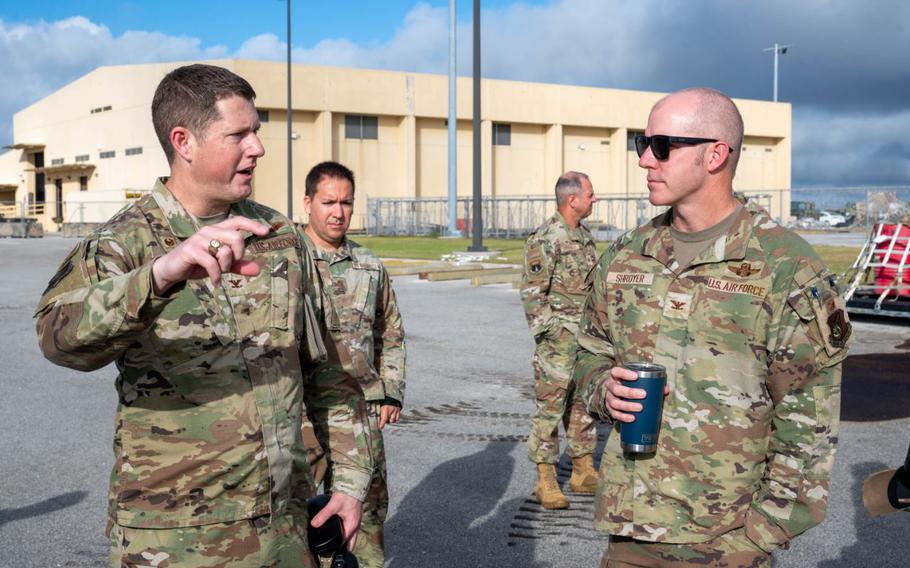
<point>187,96</point>
<point>329,170</point>
<point>716,116</point>
<point>568,184</point>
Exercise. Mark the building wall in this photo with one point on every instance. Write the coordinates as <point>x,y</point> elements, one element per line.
<point>553,128</point>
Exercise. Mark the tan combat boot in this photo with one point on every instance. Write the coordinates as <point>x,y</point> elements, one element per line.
<point>584,476</point>
<point>547,490</point>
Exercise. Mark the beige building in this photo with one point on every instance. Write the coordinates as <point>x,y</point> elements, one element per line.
<point>80,152</point>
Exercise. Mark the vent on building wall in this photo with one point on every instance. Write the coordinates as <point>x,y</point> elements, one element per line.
<point>57,162</point>
<point>82,158</point>
<point>134,151</point>
<point>108,154</point>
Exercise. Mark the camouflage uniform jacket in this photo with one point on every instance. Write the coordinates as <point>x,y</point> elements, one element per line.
<point>210,388</point>
<point>752,335</point>
<point>557,260</point>
<point>366,336</point>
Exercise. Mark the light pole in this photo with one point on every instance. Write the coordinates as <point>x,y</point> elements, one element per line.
<point>477,245</point>
<point>290,132</point>
<point>778,51</point>
<point>453,127</point>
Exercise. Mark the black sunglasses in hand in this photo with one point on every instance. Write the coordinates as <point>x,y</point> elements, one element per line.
<point>661,144</point>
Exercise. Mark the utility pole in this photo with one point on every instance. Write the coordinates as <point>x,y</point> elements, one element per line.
<point>290,132</point>
<point>453,127</point>
<point>778,51</point>
<point>477,245</point>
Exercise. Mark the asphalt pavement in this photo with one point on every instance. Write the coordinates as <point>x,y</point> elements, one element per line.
<point>460,482</point>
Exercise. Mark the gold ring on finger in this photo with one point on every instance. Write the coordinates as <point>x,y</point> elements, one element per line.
<point>214,247</point>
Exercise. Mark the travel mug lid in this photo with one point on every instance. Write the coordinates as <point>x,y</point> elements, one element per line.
<point>647,370</point>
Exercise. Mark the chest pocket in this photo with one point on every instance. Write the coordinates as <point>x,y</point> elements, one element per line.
<point>575,261</point>
<point>363,286</point>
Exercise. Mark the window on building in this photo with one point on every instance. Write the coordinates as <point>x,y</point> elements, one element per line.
<point>38,160</point>
<point>108,154</point>
<point>82,158</point>
<point>263,115</point>
<point>630,139</point>
<point>57,162</point>
<point>134,151</point>
<point>502,134</point>
<point>83,183</point>
<point>58,193</point>
<point>358,127</point>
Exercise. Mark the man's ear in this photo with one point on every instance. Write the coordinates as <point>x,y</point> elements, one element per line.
<point>718,154</point>
<point>307,202</point>
<point>184,142</point>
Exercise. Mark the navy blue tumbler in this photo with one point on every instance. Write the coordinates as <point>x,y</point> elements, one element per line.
<point>640,436</point>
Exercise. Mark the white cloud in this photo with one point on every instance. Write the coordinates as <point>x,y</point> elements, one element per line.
<point>36,59</point>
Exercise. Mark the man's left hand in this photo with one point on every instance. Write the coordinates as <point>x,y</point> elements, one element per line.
<point>349,510</point>
<point>388,413</point>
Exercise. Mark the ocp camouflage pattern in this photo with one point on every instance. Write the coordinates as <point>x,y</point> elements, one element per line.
<point>557,400</point>
<point>366,345</point>
<point>557,261</point>
<point>209,378</point>
<point>365,320</point>
<point>750,426</point>
<point>553,289</point>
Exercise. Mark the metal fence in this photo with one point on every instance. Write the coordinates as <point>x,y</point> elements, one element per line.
<point>20,210</point>
<point>505,217</point>
<point>857,208</point>
<point>851,208</point>
<point>94,211</point>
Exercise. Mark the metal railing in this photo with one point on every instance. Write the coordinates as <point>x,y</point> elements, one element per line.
<point>20,209</point>
<point>851,208</point>
<point>506,217</point>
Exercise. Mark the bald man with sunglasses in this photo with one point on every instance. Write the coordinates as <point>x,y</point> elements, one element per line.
<point>751,328</point>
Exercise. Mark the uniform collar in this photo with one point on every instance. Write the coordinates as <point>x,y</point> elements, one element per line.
<point>343,252</point>
<point>178,220</point>
<point>581,234</point>
<point>732,245</point>
<point>183,225</point>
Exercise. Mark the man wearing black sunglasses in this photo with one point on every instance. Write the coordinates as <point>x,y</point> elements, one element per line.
<point>751,329</point>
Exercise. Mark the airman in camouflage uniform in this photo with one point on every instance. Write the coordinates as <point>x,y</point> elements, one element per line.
<point>365,340</point>
<point>751,330</point>
<point>558,256</point>
<point>202,299</point>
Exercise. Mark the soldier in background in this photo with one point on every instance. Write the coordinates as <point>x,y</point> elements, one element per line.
<point>750,327</point>
<point>558,256</point>
<point>201,297</point>
<point>365,338</point>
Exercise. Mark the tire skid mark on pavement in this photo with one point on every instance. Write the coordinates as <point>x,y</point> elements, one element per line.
<point>563,527</point>
<point>531,523</point>
<point>461,409</point>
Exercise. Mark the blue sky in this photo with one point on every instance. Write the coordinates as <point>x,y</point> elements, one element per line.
<point>847,75</point>
<point>231,22</point>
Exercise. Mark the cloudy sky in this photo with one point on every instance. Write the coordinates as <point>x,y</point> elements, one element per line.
<point>847,74</point>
